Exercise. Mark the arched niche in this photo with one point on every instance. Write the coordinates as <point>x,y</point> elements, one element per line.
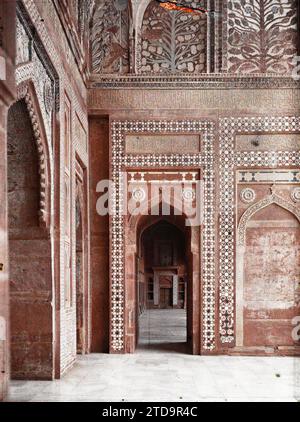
<point>267,258</point>
<point>26,91</point>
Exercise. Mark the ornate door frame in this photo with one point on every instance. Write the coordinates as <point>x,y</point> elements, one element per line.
<point>120,161</point>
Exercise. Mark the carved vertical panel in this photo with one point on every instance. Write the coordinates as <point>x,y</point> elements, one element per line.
<point>22,44</point>
<point>67,205</point>
<point>262,36</point>
<point>173,41</point>
<point>110,37</point>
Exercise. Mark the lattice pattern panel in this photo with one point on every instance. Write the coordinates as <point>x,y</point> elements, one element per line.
<point>229,160</point>
<point>119,162</point>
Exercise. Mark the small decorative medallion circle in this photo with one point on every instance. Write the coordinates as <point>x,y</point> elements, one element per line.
<point>248,195</point>
<point>188,195</point>
<point>139,194</point>
<point>296,195</point>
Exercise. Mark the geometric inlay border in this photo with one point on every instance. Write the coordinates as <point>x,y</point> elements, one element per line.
<point>229,161</point>
<point>119,162</point>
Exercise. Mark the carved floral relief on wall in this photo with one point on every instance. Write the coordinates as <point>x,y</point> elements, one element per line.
<point>173,41</point>
<point>29,63</point>
<point>109,37</point>
<point>262,36</point>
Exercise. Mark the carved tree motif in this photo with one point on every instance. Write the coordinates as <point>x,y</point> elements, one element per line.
<point>110,37</point>
<point>262,36</point>
<point>173,41</point>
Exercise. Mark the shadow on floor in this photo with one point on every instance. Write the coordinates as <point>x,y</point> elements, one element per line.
<point>181,348</point>
<point>163,330</point>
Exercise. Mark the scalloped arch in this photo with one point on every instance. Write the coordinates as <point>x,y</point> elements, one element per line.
<point>269,200</point>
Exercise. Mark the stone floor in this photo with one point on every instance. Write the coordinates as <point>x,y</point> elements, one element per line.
<point>163,330</point>
<point>161,371</point>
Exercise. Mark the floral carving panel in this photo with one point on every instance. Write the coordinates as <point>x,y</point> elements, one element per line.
<point>262,36</point>
<point>173,41</point>
<point>30,66</point>
<point>110,37</point>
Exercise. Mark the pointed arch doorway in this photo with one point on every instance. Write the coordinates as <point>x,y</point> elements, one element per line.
<point>163,284</point>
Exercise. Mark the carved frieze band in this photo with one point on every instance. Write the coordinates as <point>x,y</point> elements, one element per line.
<point>228,81</point>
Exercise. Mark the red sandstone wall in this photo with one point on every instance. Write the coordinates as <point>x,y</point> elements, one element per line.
<point>99,169</point>
<point>50,27</point>
<point>272,262</point>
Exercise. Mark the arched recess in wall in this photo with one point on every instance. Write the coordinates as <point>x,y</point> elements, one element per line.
<point>26,91</point>
<point>171,41</point>
<point>267,274</point>
<point>29,215</point>
<point>110,37</point>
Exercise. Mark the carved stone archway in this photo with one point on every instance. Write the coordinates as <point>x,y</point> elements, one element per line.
<point>26,90</point>
<point>270,199</point>
<point>134,228</point>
